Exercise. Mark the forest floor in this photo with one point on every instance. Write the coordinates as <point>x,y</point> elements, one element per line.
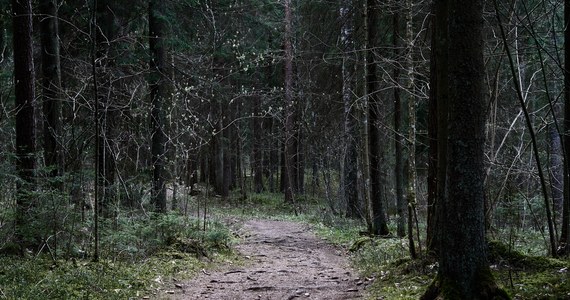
<point>284,260</point>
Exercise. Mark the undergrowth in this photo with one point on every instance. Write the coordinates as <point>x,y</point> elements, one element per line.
<point>386,262</point>
<point>146,253</point>
<point>40,278</point>
<point>142,256</point>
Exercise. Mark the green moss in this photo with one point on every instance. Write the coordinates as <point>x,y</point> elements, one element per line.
<point>499,253</point>
<point>359,243</point>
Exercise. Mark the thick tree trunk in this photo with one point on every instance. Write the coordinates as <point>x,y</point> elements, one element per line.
<point>158,96</point>
<point>53,152</point>
<point>25,118</point>
<point>379,225</point>
<point>463,240</point>
<point>464,271</point>
<point>439,108</point>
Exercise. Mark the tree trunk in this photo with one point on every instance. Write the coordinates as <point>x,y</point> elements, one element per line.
<point>257,145</point>
<point>565,230</point>
<point>227,141</point>
<point>556,173</point>
<point>411,199</point>
<point>217,169</point>
<point>158,95</point>
<point>350,168</point>
<point>300,158</point>
<point>25,119</point>
<point>273,155</point>
<point>439,108</point>
<point>104,60</point>
<point>53,152</point>
<point>379,225</point>
<point>464,271</point>
<point>398,140</point>
<point>288,148</point>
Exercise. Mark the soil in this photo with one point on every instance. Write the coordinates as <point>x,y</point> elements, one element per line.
<point>285,260</point>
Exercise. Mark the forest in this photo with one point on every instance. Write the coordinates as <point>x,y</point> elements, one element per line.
<point>172,149</point>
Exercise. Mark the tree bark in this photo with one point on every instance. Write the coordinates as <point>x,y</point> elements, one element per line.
<point>438,111</point>
<point>379,225</point>
<point>464,271</point>
<point>300,154</point>
<point>158,95</point>
<point>350,168</point>
<point>257,145</point>
<point>565,230</point>
<point>53,152</point>
<point>25,118</point>
<point>273,144</point>
<point>556,170</point>
<point>398,140</point>
<point>411,195</point>
<point>288,148</point>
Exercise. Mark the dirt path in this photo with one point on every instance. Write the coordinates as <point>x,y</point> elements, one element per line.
<point>287,262</point>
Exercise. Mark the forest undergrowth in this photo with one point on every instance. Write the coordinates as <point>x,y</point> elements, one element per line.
<point>143,254</point>
<point>521,266</point>
<point>140,254</point>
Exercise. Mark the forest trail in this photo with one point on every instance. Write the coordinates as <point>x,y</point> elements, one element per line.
<point>286,261</point>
